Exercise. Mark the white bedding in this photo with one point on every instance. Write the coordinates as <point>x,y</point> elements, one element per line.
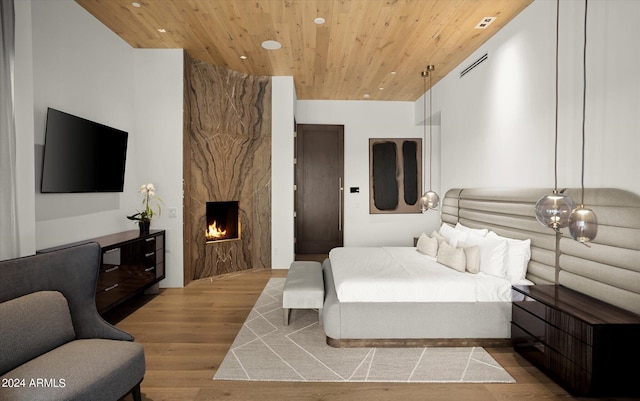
<point>402,274</point>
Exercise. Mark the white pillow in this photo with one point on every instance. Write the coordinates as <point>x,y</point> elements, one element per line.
<point>440,238</point>
<point>479,231</point>
<point>472,255</point>
<point>518,256</point>
<point>456,238</point>
<point>493,253</point>
<point>452,257</point>
<point>427,245</point>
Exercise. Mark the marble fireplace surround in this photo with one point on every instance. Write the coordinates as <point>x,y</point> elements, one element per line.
<point>227,157</point>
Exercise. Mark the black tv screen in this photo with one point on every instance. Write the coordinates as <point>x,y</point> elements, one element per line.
<point>82,155</point>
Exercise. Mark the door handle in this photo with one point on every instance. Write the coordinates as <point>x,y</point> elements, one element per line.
<point>340,188</point>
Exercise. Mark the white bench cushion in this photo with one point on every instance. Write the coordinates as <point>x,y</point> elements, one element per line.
<point>304,286</point>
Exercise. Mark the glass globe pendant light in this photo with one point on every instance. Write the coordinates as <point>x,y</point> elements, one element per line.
<point>430,199</point>
<point>553,210</point>
<point>583,224</point>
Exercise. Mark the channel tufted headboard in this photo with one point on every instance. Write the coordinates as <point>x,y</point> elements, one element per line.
<point>608,269</point>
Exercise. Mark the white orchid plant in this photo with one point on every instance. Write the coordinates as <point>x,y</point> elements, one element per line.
<point>151,204</point>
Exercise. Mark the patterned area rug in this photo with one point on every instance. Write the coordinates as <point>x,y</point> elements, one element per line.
<point>266,350</point>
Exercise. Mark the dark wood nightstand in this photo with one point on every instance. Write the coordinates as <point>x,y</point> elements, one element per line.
<point>586,345</point>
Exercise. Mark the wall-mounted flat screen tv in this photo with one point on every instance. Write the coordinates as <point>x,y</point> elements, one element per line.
<point>82,155</point>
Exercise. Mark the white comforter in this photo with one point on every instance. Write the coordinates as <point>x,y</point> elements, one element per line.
<point>402,274</point>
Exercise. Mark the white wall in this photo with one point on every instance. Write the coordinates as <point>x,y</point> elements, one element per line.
<point>80,67</point>
<point>158,103</point>
<point>363,120</point>
<point>282,127</point>
<point>498,120</point>
<point>68,60</point>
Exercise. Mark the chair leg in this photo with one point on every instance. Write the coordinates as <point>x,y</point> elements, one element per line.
<point>135,392</point>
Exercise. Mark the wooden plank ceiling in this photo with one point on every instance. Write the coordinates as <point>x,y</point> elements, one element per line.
<point>375,47</point>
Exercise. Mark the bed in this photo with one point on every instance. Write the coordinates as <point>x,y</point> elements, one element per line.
<point>605,270</point>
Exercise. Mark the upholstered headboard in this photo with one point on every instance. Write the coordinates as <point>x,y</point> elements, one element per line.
<point>608,269</point>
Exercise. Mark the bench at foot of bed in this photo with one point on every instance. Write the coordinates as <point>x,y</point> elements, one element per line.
<point>303,289</point>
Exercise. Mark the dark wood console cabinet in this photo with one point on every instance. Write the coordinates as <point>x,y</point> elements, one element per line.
<point>586,345</point>
<point>131,263</point>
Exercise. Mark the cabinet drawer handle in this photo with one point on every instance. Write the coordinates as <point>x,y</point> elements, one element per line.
<point>111,288</point>
<point>150,239</point>
<point>146,255</point>
<point>112,269</point>
<point>149,269</point>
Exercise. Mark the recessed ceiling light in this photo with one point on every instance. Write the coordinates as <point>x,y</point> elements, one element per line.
<point>135,4</point>
<point>162,30</point>
<point>485,22</point>
<point>271,45</point>
<point>243,57</point>
<point>381,88</point>
<point>393,73</point>
<point>319,21</point>
<point>366,96</point>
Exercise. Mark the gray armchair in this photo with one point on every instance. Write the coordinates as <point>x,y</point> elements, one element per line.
<point>53,342</point>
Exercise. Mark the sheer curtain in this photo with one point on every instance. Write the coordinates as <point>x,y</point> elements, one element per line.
<point>8,218</point>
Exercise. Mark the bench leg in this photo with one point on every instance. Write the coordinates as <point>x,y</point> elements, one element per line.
<point>287,314</point>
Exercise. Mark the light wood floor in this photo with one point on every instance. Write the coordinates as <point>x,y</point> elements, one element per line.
<point>186,333</point>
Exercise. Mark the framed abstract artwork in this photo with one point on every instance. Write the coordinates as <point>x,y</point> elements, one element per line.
<point>395,175</point>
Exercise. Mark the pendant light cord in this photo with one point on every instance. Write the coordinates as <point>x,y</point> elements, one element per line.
<point>584,97</point>
<point>555,166</point>
<point>427,73</point>
<point>430,136</point>
<point>424,115</point>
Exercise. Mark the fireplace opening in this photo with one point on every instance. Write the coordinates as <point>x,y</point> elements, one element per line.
<point>223,223</point>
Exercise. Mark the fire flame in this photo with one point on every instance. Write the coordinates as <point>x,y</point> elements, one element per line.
<point>215,232</point>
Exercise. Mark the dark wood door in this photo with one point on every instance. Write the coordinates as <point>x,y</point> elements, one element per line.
<point>319,188</point>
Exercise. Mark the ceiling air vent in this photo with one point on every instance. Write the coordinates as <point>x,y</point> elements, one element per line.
<point>474,64</point>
